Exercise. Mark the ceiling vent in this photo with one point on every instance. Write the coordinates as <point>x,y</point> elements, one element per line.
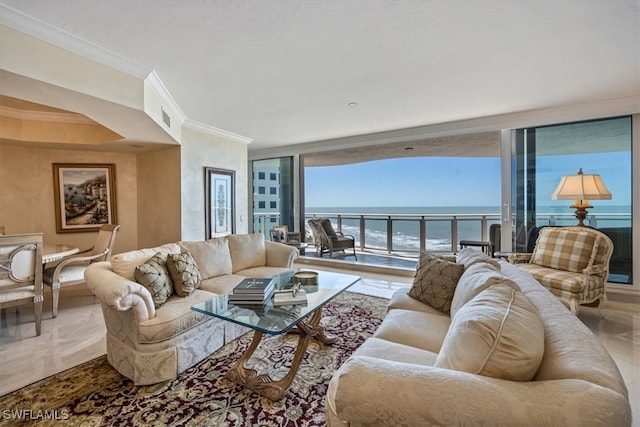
<point>165,118</point>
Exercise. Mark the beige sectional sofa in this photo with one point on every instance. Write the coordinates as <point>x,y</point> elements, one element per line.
<point>150,344</point>
<point>508,353</point>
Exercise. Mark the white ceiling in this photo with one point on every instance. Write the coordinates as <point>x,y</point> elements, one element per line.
<point>285,72</point>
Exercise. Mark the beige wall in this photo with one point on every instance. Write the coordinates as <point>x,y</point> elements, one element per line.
<point>27,201</point>
<point>201,149</point>
<point>159,197</point>
<point>160,194</point>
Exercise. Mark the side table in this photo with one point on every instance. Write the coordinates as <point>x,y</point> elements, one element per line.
<point>302,247</point>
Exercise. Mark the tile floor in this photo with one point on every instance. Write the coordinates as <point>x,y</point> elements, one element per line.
<point>78,334</point>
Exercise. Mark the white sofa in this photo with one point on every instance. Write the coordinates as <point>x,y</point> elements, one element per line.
<point>422,367</point>
<point>149,344</point>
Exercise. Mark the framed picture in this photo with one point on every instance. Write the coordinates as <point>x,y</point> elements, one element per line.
<point>293,238</point>
<point>84,195</point>
<point>220,202</point>
<point>279,233</point>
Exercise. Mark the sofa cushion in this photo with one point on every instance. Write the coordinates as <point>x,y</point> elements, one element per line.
<point>435,281</point>
<point>470,256</point>
<point>498,334</point>
<point>125,263</point>
<point>564,249</point>
<point>154,276</point>
<point>475,279</point>
<point>174,319</point>
<point>247,250</point>
<point>212,256</point>
<point>184,273</point>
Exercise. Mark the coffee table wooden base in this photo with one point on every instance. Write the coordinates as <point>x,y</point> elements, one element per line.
<point>262,383</point>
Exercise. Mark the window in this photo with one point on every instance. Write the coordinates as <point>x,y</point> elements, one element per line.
<point>281,197</point>
<point>261,175</point>
<point>261,204</point>
<point>543,155</point>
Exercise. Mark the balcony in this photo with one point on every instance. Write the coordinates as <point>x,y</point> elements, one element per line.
<point>394,241</point>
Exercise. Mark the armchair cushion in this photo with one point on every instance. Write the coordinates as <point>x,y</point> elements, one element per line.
<point>184,273</point>
<point>498,334</point>
<point>435,281</point>
<point>154,276</point>
<point>211,256</point>
<point>568,249</point>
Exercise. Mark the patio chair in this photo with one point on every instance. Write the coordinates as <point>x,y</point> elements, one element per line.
<point>327,240</point>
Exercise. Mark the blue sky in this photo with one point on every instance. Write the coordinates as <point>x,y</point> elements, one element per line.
<point>453,181</point>
<point>414,181</point>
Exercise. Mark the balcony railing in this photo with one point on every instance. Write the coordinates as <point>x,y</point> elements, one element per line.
<point>410,234</point>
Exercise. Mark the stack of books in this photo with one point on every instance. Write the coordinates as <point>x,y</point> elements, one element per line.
<point>252,291</point>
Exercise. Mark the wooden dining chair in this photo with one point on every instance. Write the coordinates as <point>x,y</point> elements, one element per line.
<point>21,273</point>
<point>70,271</point>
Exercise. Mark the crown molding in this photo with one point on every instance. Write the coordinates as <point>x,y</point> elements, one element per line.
<point>201,127</point>
<point>45,116</point>
<point>170,104</point>
<point>41,30</point>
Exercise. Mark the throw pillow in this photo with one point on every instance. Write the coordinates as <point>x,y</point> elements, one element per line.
<point>184,273</point>
<point>498,334</point>
<point>435,281</point>
<point>154,276</point>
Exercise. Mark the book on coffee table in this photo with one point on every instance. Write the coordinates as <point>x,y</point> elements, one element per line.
<point>254,286</point>
<point>252,291</point>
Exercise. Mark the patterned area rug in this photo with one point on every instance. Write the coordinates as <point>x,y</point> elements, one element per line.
<point>94,394</point>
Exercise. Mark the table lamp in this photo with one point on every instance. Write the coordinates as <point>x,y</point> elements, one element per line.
<point>581,188</point>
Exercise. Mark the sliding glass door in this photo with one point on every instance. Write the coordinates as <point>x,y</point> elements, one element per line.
<point>541,156</point>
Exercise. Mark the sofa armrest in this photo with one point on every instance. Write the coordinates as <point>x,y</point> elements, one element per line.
<point>380,392</point>
<point>280,255</point>
<point>118,293</point>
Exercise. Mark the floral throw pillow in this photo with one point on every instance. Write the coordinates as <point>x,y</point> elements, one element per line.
<point>154,276</point>
<point>184,273</point>
<point>435,281</point>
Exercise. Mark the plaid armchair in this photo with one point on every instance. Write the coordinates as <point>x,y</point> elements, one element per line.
<point>327,240</point>
<point>573,263</point>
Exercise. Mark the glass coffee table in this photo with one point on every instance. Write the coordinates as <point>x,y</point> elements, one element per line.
<point>303,319</point>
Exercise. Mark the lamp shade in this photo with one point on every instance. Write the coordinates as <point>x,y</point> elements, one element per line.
<point>581,187</point>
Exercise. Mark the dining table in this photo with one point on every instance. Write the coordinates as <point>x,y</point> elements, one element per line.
<point>55,252</point>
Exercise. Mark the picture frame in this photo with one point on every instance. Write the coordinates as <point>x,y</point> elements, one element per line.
<point>220,202</point>
<point>293,238</point>
<point>84,196</point>
<point>281,233</point>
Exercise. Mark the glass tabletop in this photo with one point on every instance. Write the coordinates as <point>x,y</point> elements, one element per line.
<point>275,320</point>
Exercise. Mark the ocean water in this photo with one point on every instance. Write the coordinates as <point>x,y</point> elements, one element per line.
<point>406,224</point>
